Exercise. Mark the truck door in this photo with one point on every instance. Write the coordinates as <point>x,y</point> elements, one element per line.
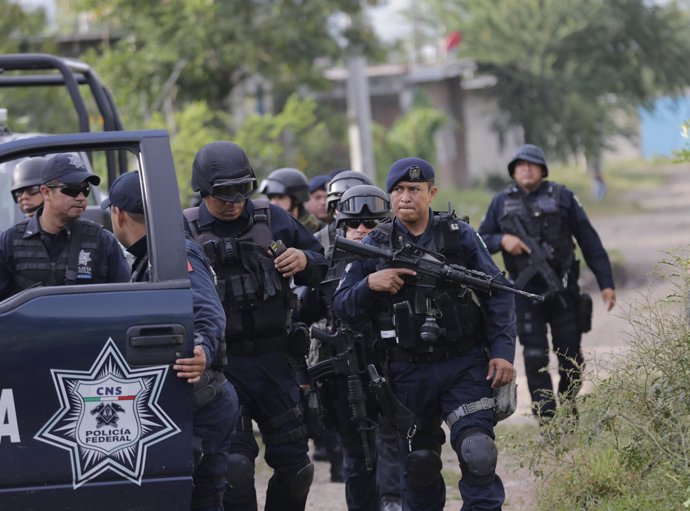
<point>91,414</point>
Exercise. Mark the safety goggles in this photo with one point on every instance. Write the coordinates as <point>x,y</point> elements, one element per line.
<point>356,205</point>
<point>31,190</point>
<point>72,190</point>
<point>233,192</point>
<point>355,223</point>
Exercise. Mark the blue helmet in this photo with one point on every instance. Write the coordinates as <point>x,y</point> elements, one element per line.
<point>532,154</point>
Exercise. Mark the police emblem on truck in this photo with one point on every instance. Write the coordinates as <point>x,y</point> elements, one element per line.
<point>108,416</point>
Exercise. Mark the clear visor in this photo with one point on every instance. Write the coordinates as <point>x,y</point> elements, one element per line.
<point>364,204</point>
<point>233,191</point>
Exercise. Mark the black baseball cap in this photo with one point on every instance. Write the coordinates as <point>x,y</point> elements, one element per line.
<point>69,169</point>
<point>126,194</point>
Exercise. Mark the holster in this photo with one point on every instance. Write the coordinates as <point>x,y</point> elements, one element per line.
<point>312,413</point>
<point>505,398</point>
<point>584,312</point>
<point>299,340</point>
<point>208,388</point>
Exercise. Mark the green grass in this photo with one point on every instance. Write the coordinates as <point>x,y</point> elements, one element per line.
<point>630,450</point>
<point>623,179</point>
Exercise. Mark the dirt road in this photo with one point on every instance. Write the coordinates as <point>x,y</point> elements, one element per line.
<point>642,240</point>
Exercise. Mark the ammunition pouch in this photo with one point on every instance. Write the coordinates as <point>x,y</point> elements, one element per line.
<point>405,325</point>
<point>221,251</point>
<point>584,312</point>
<point>208,388</point>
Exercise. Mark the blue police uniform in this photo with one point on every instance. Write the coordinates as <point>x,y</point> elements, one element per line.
<point>216,405</point>
<point>260,365</point>
<point>213,423</point>
<point>109,265</point>
<point>433,389</point>
<point>552,214</point>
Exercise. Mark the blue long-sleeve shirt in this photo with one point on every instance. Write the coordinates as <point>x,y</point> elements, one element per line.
<point>573,216</point>
<point>354,300</point>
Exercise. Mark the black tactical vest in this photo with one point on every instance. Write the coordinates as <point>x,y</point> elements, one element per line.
<point>76,264</point>
<point>539,215</point>
<point>256,298</point>
<point>454,309</point>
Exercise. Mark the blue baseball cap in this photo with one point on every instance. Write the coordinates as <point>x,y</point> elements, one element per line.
<point>409,169</point>
<point>69,169</point>
<point>126,194</point>
<point>318,183</point>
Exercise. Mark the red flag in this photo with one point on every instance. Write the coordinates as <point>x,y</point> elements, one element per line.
<point>453,39</point>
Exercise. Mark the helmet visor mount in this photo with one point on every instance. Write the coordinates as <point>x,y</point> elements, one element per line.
<point>233,190</point>
<point>357,205</point>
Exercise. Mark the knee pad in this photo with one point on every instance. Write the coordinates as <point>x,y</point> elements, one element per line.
<point>478,457</point>
<point>240,476</point>
<point>300,482</point>
<point>423,468</point>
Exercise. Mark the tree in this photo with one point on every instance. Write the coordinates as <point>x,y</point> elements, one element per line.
<point>17,24</point>
<point>187,50</point>
<point>566,69</point>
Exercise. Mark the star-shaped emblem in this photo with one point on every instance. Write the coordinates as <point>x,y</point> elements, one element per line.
<point>108,416</point>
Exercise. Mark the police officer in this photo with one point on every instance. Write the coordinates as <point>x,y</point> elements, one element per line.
<point>445,375</point>
<point>289,189</point>
<point>336,187</point>
<point>359,210</point>
<point>263,349</point>
<point>55,247</point>
<point>316,204</point>
<point>26,184</point>
<point>216,408</point>
<point>552,217</point>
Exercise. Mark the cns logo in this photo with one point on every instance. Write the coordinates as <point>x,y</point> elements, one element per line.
<point>108,416</point>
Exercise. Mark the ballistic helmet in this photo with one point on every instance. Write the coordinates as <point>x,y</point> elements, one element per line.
<point>363,202</point>
<point>532,154</point>
<point>286,181</point>
<point>222,169</point>
<point>340,183</point>
<point>27,173</point>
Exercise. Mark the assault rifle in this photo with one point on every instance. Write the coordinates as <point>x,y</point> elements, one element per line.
<point>349,361</point>
<point>538,261</point>
<point>432,265</point>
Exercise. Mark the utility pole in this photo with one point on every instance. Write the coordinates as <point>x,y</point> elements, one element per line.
<point>359,118</point>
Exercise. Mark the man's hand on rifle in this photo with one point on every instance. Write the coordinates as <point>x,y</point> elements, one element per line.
<point>388,280</point>
<point>500,372</point>
<point>514,245</point>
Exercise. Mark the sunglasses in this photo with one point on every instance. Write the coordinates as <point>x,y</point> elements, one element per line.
<point>369,224</point>
<point>31,190</point>
<point>72,190</point>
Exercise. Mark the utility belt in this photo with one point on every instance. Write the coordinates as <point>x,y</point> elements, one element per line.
<point>294,342</point>
<point>208,388</point>
<point>435,354</point>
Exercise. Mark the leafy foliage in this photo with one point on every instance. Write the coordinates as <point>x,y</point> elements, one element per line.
<point>185,50</point>
<point>631,449</point>
<point>564,67</point>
